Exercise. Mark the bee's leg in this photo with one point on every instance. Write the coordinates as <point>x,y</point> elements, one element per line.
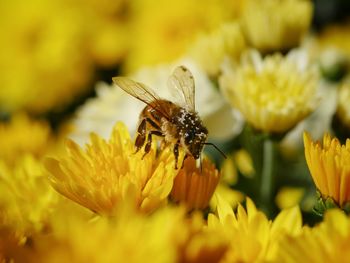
<point>149,141</point>
<point>141,135</point>
<point>183,162</point>
<point>176,153</point>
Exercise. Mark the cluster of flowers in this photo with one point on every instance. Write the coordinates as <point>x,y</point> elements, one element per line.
<point>80,193</point>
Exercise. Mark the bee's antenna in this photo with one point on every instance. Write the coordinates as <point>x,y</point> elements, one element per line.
<point>212,144</point>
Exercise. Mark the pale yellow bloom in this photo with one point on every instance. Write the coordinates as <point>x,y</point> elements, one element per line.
<point>329,165</point>
<point>251,236</point>
<point>106,173</point>
<point>23,135</point>
<point>274,93</point>
<point>343,108</point>
<point>326,242</point>
<point>26,197</point>
<point>210,50</point>
<point>194,186</point>
<point>276,25</point>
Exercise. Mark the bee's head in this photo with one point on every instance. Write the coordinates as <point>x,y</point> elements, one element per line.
<point>194,141</point>
<point>194,134</point>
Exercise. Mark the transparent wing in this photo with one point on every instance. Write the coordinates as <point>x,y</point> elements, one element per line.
<point>141,92</point>
<point>182,80</point>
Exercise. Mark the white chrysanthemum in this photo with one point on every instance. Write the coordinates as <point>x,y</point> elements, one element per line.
<point>112,104</point>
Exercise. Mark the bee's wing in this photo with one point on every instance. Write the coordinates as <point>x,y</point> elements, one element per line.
<point>141,92</point>
<point>182,80</point>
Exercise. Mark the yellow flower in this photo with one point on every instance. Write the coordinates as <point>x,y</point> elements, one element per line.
<point>51,48</point>
<point>106,173</point>
<point>326,242</point>
<point>201,244</point>
<point>23,135</point>
<point>251,236</point>
<point>128,236</point>
<point>273,93</point>
<point>162,31</point>
<point>329,165</point>
<point>271,25</point>
<point>289,196</point>
<point>26,197</point>
<point>337,38</point>
<point>193,186</point>
<point>209,50</point>
<point>343,109</point>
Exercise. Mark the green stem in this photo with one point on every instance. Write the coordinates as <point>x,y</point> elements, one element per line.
<point>266,186</point>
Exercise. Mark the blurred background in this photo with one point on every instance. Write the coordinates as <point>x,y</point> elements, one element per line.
<point>53,52</point>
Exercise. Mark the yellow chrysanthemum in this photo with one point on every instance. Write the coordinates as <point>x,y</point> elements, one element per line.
<point>194,186</point>
<point>343,109</point>
<point>105,173</point>
<point>272,25</point>
<point>51,48</point>
<point>162,31</point>
<point>201,244</point>
<point>329,165</point>
<point>210,50</point>
<point>26,197</point>
<point>128,236</point>
<point>326,242</point>
<point>273,93</point>
<point>23,135</point>
<point>251,236</point>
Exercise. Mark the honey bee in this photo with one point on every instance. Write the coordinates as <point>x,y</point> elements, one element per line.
<point>176,123</point>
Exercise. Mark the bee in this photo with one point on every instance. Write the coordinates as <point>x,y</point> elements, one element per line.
<point>176,123</point>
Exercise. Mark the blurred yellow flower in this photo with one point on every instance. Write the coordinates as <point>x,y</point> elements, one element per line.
<point>275,25</point>
<point>329,165</point>
<point>106,173</point>
<point>23,135</point>
<point>273,93</point>
<point>244,162</point>
<point>51,48</point>
<point>343,109</point>
<point>251,236</point>
<point>195,186</point>
<point>239,161</point>
<point>336,37</point>
<point>326,242</point>
<point>129,236</point>
<point>26,197</point>
<point>289,196</point>
<point>162,31</point>
<point>209,50</point>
